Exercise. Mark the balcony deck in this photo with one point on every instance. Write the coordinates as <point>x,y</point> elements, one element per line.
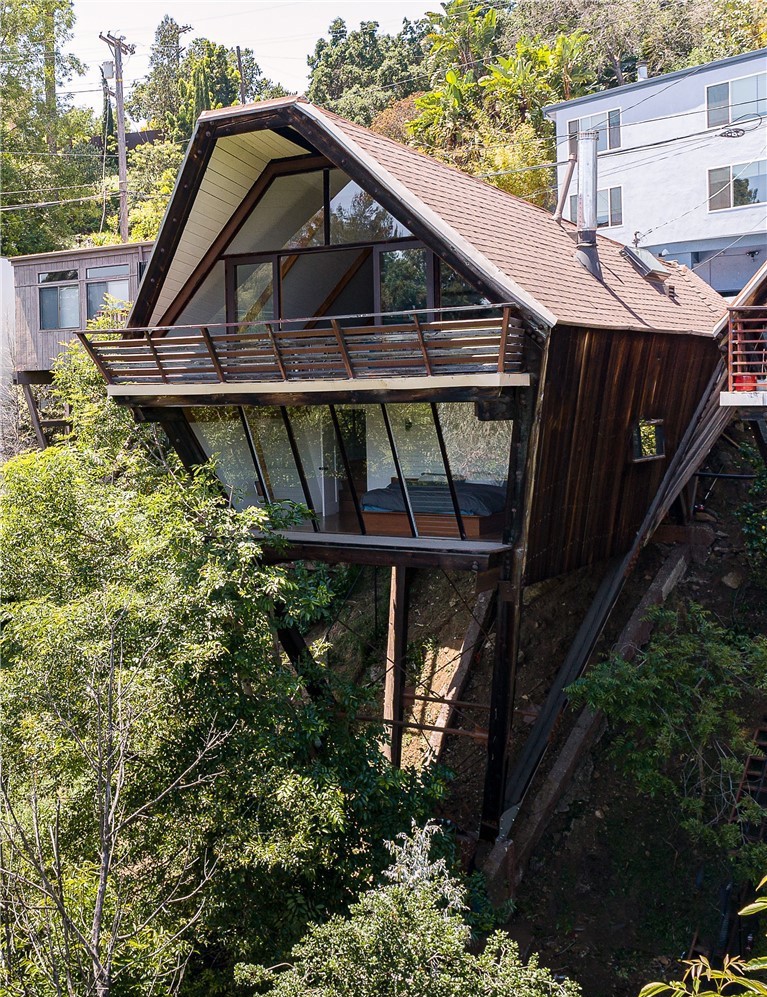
<point>746,358</point>
<point>427,351</point>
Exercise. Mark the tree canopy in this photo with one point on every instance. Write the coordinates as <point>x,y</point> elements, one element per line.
<point>406,936</point>
<point>359,73</point>
<point>169,780</point>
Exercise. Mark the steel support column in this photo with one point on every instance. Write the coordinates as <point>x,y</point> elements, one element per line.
<point>396,653</point>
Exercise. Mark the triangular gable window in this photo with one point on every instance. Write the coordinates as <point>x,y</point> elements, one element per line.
<point>320,208</point>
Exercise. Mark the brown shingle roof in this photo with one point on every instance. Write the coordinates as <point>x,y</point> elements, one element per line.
<point>526,243</point>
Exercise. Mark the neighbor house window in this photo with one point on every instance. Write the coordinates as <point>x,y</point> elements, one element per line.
<point>609,207</point>
<point>116,286</point>
<point>648,441</point>
<point>59,299</point>
<point>736,100</point>
<point>607,124</point>
<point>737,186</point>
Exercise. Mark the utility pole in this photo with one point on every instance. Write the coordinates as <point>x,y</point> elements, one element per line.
<point>119,49</point>
<point>242,81</point>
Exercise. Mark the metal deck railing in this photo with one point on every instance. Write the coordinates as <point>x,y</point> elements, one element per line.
<point>747,348</point>
<point>422,343</point>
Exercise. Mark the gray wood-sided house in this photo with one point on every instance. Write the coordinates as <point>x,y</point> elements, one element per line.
<point>57,293</point>
<point>422,361</point>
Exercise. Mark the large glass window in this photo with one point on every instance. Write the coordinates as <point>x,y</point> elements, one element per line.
<point>356,217</point>
<point>273,447</point>
<point>737,186</point>
<point>323,207</point>
<point>254,292</point>
<point>60,307</point>
<point>477,450</point>
<point>455,292</point>
<point>290,215</point>
<point>221,435</point>
<point>371,466</point>
<point>736,100</point>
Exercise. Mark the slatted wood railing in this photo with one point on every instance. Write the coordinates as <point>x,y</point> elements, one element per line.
<point>747,348</point>
<point>286,351</point>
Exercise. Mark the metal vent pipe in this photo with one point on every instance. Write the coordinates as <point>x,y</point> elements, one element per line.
<point>586,249</point>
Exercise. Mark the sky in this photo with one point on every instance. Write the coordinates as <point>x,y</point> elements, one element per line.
<point>281,32</point>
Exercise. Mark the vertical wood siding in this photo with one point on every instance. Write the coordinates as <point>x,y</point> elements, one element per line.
<point>589,497</point>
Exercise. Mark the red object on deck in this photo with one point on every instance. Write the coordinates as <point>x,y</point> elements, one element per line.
<point>744,382</point>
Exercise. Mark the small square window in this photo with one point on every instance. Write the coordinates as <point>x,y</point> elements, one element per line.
<point>648,441</point>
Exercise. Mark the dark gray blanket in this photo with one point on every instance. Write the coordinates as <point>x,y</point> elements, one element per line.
<point>474,499</point>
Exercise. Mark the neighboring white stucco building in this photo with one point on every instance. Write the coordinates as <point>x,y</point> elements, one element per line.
<point>682,165</point>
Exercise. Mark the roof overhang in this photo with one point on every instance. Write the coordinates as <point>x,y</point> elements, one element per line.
<point>297,127</point>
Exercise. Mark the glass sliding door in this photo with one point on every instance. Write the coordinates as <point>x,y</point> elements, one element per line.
<point>404,279</point>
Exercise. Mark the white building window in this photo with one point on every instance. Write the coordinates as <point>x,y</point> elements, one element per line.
<point>737,186</point>
<point>609,207</point>
<point>59,299</point>
<point>96,291</point>
<point>736,100</point>
<point>607,124</point>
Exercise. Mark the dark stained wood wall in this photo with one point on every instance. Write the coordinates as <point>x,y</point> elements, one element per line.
<point>589,498</point>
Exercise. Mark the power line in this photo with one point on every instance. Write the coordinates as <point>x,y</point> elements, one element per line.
<point>79,200</point>
<point>695,207</point>
<point>733,243</point>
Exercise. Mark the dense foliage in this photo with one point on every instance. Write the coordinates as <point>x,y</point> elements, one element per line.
<point>359,73</point>
<point>184,82</point>
<point>678,726</point>
<point>405,937</point>
<point>168,778</point>
<point>753,517</point>
<point>46,153</point>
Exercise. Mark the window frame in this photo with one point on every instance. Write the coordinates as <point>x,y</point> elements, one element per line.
<point>731,186</point>
<point>728,83</point>
<point>106,281</point>
<point>572,136</point>
<point>635,444</point>
<point>605,190</point>
<point>58,286</point>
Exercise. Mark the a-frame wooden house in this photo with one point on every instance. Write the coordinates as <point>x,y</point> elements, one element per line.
<point>419,358</point>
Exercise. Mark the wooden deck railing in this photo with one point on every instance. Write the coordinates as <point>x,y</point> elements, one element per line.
<point>747,349</point>
<point>303,350</point>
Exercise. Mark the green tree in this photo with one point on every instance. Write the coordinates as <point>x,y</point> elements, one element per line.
<point>408,936</point>
<point>156,98</point>
<point>704,980</point>
<point>464,38</point>
<point>730,27</point>
<point>182,83</point>
<point>676,725</point>
<point>359,73</point>
<point>152,171</point>
<point>163,768</point>
<point>47,155</point>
